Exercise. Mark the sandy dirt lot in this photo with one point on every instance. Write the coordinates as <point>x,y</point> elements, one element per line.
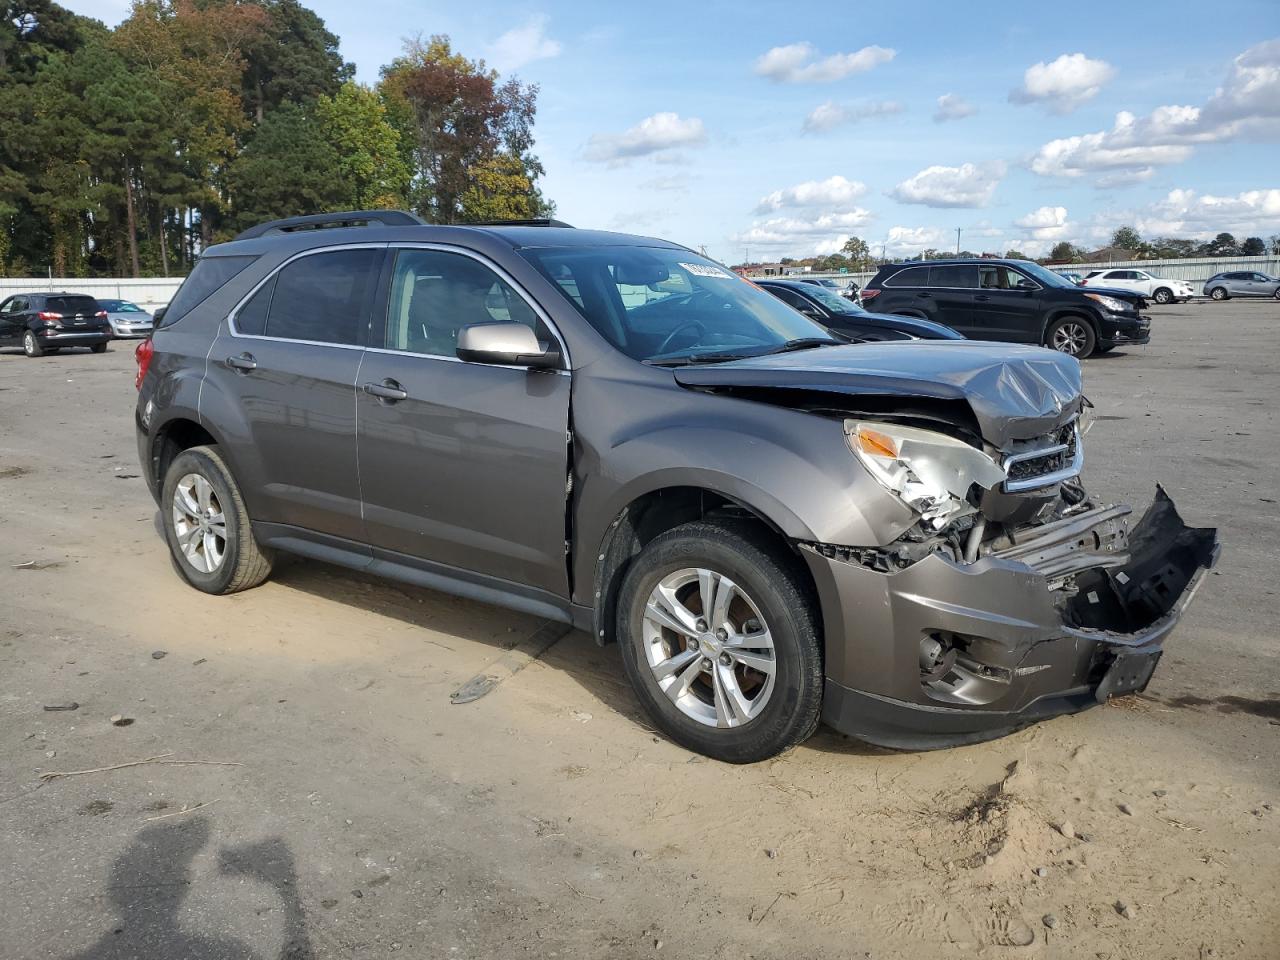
<point>355,812</point>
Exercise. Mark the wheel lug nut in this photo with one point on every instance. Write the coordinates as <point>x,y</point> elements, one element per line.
<point>722,634</point>
<point>725,659</point>
<point>693,644</point>
<point>702,626</point>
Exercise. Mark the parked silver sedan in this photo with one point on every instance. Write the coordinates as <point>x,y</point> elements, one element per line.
<point>128,320</point>
<point>1243,283</point>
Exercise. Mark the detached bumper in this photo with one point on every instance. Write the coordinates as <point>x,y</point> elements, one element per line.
<point>1018,647</point>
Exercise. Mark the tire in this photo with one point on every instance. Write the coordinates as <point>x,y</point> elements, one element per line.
<point>1276,295</point>
<point>1219,293</point>
<point>31,346</point>
<point>771,713</point>
<point>1071,335</point>
<point>99,348</point>
<point>242,563</point>
<point>1163,295</point>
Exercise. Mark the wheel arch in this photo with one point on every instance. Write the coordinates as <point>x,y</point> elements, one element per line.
<point>1063,313</point>
<point>658,510</point>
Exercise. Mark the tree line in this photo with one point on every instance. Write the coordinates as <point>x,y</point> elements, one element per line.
<point>127,151</point>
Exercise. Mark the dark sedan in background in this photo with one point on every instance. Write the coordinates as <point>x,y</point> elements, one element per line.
<point>843,316</point>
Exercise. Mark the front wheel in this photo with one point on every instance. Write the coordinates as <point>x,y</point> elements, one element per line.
<point>31,346</point>
<point>1072,336</point>
<point>1163,296</point>
<point>1218,293</point>
<point>719,637</point>
<point>207,526</point>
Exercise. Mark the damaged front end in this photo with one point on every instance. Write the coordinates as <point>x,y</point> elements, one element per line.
<point>1012,599</point>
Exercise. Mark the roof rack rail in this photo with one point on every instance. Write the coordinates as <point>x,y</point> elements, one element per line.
<point>322,221</point>
<point>534,222</point>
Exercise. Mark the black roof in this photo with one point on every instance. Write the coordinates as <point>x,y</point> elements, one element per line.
<point>949,261</point>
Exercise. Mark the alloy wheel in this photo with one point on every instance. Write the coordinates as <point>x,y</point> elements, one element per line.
<point>1071,337</point>
<point>1163,296</point>
<point>199,523</point>
<point>1218,293</point>
<point>29,344</point>
<point>709,648</point>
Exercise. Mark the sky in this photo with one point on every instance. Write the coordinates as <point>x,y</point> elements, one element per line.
<point>759,131</point>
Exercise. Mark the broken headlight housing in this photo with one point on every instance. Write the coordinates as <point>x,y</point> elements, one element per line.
<point>929,472</point>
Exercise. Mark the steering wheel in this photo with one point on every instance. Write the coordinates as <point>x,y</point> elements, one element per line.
<point>688,324</point>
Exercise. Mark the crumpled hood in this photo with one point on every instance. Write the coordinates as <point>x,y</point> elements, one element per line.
<point>1015,392</point>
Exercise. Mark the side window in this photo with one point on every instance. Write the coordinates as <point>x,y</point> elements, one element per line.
<point>251,318</point>
<point>325,297</point>
<point>207,277</point>
<point>953,275</point>
<point>910,277</point>
<point>787,297</point>
<point>434,294</point>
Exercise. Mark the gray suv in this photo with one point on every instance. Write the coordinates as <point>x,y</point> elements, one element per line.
<point>775,526</point>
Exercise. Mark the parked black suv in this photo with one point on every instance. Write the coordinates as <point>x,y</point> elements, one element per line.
<point>46,322</point>
<point>612,431</point>
<point>1013,300</point>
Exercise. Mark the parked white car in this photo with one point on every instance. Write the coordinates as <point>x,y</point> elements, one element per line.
<point>1139,281</point>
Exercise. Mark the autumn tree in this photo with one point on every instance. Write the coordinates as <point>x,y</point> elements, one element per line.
<point>372,168</point>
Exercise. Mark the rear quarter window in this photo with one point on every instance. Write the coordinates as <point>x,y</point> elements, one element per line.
<point>209,275</point>
<point>910,277</point>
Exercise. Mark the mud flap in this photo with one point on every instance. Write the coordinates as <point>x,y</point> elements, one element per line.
<point>1167,559</point>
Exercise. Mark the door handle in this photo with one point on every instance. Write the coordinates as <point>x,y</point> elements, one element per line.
<point>388,391</point>
<point>243,363</point>
<point>982,298</point>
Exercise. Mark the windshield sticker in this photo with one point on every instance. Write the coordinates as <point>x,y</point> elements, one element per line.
<point>704,270</point>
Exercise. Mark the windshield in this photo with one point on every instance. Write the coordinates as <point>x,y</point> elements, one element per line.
<point>120,306</point>
<point>1046,277</point>
<point>833,301</point>
<point>663,305</point>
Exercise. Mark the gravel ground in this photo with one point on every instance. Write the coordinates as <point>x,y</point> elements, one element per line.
<point>343,807</point>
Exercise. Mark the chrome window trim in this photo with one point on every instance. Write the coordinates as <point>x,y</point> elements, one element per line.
<point>503,275</point>
<point>231,317</point>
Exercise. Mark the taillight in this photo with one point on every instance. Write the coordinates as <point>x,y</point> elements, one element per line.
<point>101,314</point>
<point>869,293</point>
<point>142,355</point>
<point>49,315</point>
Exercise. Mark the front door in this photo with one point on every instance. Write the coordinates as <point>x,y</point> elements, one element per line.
<point>12,320</point>
<point>462,464</point>
<point>1007,304</point>
<point>288,359</point>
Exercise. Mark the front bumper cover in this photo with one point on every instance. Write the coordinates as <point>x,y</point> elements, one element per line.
<point>1026,651</point>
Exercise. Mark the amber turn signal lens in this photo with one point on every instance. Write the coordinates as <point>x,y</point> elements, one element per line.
<point>877,444</point>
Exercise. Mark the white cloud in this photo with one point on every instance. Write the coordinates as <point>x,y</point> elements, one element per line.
<point>833,192</point>
<point>1246,106</point>
<point>832,114</point>
<point>1045,223</point>
<point>653,136</point>
<point>672,184</point>
<point>523,44</point>
<point>801,63</point>
<point>1191,214</point>
<point>797,235</point>
<point>907,241</point>
<point>953,107</point>
<point>969,185</point>
<point>1065,83</point>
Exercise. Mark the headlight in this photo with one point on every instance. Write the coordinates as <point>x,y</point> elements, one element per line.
<point>929,472</point>
<point>1109,303</point>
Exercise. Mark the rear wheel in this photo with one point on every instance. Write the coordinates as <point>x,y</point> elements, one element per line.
<point>31,346</point>
<point>1163,295</point>
<point>1218,293</point>
<point>1276,295</point>
<point>718,635</point>
<point>1071,335</point>
<point>99,348</point>
<point>207,525</point>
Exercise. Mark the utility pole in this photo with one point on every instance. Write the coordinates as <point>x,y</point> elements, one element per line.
<point>957,241</point>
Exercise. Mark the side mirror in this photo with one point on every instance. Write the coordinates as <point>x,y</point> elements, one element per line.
<point>1026,285</point>
<point>507,344</point>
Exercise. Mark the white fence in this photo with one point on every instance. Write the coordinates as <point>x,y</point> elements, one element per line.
<point>147,293</point>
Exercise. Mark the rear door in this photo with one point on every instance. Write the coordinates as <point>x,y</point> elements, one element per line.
<point>288,359</point>
<point>954,288</point>
<point>1007,304</point>
<point>462,464</point>
<point>1238,284</point>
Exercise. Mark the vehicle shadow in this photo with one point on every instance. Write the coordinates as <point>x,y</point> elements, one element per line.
<point>150,883</point>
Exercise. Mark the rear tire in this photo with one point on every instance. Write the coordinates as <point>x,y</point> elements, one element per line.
<point>758,694</point>
<point>207,526</point>
<point>1163,295</point>
<point>1218,293</point>
<point>31,346</point>
<point>99,348</point>
<point>1073,336</point>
